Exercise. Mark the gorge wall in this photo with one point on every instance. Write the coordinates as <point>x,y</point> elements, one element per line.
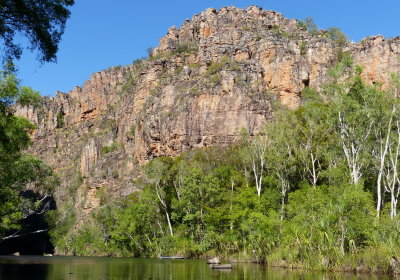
<point>218,74</point>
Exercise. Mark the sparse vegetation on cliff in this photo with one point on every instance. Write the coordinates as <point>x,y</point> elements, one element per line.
<point>182,49</point>
<point>110,148</point>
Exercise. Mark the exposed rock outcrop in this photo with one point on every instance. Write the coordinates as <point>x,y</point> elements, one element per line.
<point>216,75</point>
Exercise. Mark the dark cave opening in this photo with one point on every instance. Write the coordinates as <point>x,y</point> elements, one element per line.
<point>306,82</point>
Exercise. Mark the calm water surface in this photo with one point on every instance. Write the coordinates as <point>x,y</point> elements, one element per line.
<point>91,268</point>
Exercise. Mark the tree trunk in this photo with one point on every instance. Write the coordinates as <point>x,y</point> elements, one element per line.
<point>230,207</point>
<point>284,189</point>
<point>381,166</point>
<point>342,237</point>
<point>314,173</point>
<point>169,223</point>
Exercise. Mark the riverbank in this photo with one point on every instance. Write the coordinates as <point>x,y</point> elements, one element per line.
<point>371,261</point>
<point>90,268</point>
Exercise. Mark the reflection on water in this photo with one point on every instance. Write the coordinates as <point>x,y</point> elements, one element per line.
<point>91,268</point>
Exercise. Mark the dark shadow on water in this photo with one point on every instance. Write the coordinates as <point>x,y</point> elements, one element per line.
<point>15,271</point>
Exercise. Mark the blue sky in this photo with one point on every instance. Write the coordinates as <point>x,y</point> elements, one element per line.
<point>103,33</point>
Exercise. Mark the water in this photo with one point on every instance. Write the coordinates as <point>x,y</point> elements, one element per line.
<point>92,268</point>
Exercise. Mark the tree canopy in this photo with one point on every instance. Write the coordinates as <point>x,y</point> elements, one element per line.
<point>41,21</point>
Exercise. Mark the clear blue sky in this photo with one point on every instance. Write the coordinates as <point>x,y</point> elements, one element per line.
<point>102,33</point>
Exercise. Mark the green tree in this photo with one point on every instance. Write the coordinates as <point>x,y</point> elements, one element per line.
<point>281,160</point>
<point>329,221</point>
<point>17,169</point>
<point>337,36</point>
<point>41,21</point>
<point>139,225</point>
<point>158,176</point>
<point>308,24</point>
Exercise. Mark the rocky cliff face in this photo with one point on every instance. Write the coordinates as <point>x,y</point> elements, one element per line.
<point>216,75</point>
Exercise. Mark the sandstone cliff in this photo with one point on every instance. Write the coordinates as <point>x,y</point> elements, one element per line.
<point>218,74</point>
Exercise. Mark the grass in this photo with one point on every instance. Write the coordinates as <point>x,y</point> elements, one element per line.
<point>215,67</point>
<point>303,48</point>
<point>183,49</point>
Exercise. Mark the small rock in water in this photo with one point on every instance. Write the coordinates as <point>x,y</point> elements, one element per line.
<point>215,260</point>
<point>222,266</point>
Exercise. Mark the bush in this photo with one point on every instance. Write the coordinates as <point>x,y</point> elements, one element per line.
<point>308,24</point>
<point>60,120</point>
<point>109,149</point>
<point>337,36</point>
<point>303,48</point>
<point>215,67</point>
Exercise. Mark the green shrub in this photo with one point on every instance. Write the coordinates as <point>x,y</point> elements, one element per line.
<point>215,79</point>
<point>178,70</point>
<point>303,48</point>
<point>337,36</point>
<point>130,82</point>
<point>60,120</point>
<point>185,48</point>
<point>308,24</point>
<point>132,130</point>
<point>109,149</point>
<point>215,67</point>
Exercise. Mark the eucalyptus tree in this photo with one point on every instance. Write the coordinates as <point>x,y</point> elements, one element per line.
<point>352,108</point>
<point>312,130</point>
<point>41,21</point>
<point>385,149</point>
<point>158,177</point>
<point>390,160</point>
<point>391,181</point>
<point>258,148</point>
<point>281,159</point>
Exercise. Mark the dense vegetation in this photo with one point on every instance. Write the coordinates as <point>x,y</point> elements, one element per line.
<point>26,183</point>
<point>317,188</point>
<point>19,169</point>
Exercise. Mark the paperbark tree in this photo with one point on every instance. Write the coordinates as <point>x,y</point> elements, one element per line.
<point>281,157</point>
<point>391,181</point>
<point>157,176</point>
<point>312,131</point>
<point>258,148</point>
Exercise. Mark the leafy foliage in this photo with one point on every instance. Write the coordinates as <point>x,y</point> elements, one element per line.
<point>337,36</point>
<point>308,24</point>
<point>42,22</point>
<point>302,192</point>
<point>18,169</point>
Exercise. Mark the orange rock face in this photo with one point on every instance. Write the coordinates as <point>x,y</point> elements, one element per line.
<point>207,81</point>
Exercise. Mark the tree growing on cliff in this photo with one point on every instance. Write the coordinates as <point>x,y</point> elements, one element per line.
<point>308,24</point>
<point>41,21</point>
